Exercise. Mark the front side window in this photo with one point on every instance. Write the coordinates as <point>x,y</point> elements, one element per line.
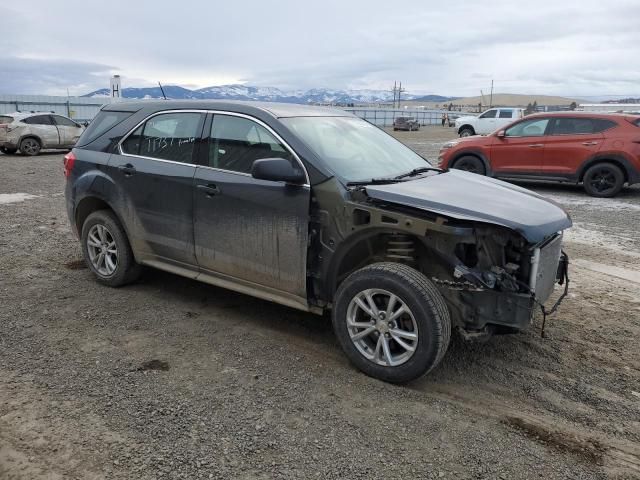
<point>64,122</point>
<point>236,142</point>
<point>489,114</point>
<point>506,113</point>
<point>528,128</point>
<point>168,136</point>
<point>353,149</point>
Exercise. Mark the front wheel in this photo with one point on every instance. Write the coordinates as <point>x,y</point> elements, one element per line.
<point>8,151</point>
<point>603,180</point>
<point>471,164</point>
<point>467,132</point>
<point>106,250</point>
<point>391,322</point>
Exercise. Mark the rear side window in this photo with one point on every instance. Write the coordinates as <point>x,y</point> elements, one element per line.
<point>506,113</point>
<point>104,121</point>
<point>236,142</point>
<point>581,126</point>
<point>38,120</point>
<point>637,123</point>
<point>5,119</point>
<point>168,136</point>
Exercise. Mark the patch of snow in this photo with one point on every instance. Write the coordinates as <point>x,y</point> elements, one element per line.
<point>619,272</point>
<point>6,198</point>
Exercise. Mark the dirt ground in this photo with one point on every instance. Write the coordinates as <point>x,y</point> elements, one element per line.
<point>169,378</point>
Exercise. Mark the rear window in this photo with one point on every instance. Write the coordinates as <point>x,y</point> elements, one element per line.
<point>5,119</point>
<point>104,121</point>
<point>506,113</point>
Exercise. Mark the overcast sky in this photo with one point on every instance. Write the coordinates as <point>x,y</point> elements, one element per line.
<point>572,48</point>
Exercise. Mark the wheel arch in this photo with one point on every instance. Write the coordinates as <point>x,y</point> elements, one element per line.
<point>362,248</point>
<point>473,153</point>
<point>616,159</point>
<point>466,126</point>
<point>31,135</point>
<point>92,203</point>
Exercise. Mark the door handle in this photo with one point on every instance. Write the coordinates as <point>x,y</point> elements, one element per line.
<point>589,144</point>
<point>536,145</point>
<point>210,189</point>
<point>127,169</point>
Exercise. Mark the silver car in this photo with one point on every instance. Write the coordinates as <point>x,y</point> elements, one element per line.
<point>32,132</point>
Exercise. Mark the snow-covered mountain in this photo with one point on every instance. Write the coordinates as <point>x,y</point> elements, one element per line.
<point>269,94</point>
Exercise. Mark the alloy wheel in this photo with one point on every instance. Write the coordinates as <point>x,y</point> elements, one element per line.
<point>102,250</point>
<point>382,327</point>
<point>603,180</point>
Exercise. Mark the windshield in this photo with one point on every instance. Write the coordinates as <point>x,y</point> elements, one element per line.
<point>353,149</point>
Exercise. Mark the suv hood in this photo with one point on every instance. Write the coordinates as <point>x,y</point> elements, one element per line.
<point>467,196</point>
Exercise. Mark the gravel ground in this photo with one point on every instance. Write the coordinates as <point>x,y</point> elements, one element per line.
<point>169,378</point>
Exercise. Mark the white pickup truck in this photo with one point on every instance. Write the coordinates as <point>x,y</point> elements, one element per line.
<point>488,121</point>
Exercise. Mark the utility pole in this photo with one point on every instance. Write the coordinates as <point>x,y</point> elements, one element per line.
<point>394,94</point>
<point>400,90</point>
<point>491,97</point>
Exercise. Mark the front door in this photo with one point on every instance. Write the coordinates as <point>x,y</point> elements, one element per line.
<point>487,122</point>
<point>571,142</point>
<point>68,130</point>
<point>521,149</point>
<point>255,231</point>
<point>154,173</point>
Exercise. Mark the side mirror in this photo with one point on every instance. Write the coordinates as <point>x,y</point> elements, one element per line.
<point>277,170</point>
<point>501,134</point>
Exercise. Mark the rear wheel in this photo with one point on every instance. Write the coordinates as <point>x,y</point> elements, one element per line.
<point>603,180</point>
<point>391,322</point>
<point>30,146</point>
<point>8,151</point>
<point>107,251</point>
<point>467,132</point>
<point>471,164</point>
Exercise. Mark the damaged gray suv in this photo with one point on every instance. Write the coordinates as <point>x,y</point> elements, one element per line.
<point>318,210</point>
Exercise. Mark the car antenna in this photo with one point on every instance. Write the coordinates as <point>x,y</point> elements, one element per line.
<point>162,90</point>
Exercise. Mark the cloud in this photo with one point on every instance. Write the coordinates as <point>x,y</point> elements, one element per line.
<point>566,48</point>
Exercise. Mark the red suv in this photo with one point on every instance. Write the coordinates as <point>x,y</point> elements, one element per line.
<point>601,151</point>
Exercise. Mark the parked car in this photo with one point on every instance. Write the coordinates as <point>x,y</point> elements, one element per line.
<point>406,123</point>
<point>32,132</point>
<point>318,210</point>
<point>487,122</point>
<point>599,150</point>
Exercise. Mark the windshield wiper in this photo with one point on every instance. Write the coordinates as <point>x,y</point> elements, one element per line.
<point>418,171</point>
<point>374,181</point>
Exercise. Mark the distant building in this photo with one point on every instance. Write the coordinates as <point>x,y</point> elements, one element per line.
<point>610,107</point>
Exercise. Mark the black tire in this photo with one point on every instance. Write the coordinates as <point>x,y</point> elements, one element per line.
<point>603,180</point>
<point>30,146</point>
<point>469,163</point>
<point>8,151</point>
<point>126,270</point>
<point>426,304</point>
<point>395,129</point>
<point>467,132</point>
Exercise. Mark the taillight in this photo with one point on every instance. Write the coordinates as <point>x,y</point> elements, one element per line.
<point>69,160</point>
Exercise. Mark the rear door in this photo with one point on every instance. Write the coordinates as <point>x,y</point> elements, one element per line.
<point>154,175</point>
<point>68,130</point>
<point>572,140</point>
<point>43,127</point>
<point>254,231</point>
<point>521,150</point>
<point>487,122</point>
<point>505,117</point>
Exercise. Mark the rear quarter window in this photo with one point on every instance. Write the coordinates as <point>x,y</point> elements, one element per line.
<point>104,121</point>
<point>600,125</point>
<point>637,122</point>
